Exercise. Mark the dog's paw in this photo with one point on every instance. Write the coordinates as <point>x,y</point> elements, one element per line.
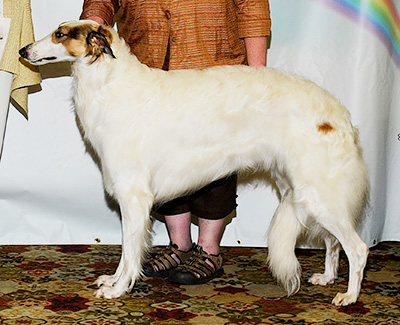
<point>320,279</point>
<point>108,292</point>
<point>106,280</point>
<point>344,299</point>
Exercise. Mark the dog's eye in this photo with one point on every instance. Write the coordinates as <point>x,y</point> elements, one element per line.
<point>59,34</point>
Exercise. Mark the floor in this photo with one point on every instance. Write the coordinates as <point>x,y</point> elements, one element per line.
<point>53,285</point>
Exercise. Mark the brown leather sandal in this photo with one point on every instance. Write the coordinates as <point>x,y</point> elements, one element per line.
<point>161,265</point>
<point>200,268</point>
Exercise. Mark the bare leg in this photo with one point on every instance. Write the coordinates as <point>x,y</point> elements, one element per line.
<point>179,230</point>
<point>210,232</point>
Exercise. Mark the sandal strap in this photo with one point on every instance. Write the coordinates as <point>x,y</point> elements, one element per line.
<point>166,260</point>
<point>202,263</point>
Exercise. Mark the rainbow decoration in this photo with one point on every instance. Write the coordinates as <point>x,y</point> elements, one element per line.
<point>379,16</point>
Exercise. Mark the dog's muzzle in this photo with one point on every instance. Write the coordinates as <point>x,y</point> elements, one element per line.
<point>25,54</point>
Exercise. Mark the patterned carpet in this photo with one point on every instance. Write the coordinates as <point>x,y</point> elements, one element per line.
<point>53,285</point>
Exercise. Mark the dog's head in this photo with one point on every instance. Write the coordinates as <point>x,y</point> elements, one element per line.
<point>70,42</point>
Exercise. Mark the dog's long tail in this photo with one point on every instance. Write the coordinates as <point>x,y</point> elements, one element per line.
<point>282,236</point>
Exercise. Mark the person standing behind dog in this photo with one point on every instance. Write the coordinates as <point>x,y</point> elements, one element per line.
<point>190,34</point>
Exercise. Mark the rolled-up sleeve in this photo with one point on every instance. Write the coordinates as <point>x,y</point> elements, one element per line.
<point>105,9</point>
<point>254,18</point>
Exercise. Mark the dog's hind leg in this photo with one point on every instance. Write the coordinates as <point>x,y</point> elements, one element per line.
<point>282,236</point>
<point>331,262</point>
<point>135,210</point>
<point>357,253</point>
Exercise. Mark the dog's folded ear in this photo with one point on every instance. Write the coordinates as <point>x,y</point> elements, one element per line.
<point>98,44</point>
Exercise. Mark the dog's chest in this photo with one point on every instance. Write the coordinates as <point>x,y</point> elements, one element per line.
<point>91,117</point>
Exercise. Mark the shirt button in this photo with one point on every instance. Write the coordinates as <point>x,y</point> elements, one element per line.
<point>167,14</point>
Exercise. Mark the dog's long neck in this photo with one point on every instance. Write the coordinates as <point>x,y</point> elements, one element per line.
<point>93,82</point>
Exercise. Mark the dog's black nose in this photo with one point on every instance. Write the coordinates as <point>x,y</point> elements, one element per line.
<point>23,52</point>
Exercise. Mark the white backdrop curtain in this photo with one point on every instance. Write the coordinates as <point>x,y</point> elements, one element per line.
<point>51,190</point>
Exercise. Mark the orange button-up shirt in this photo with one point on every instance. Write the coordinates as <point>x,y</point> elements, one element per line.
<point>197,33</point>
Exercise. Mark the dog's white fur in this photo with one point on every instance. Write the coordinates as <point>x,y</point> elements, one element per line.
<point>163,134</point>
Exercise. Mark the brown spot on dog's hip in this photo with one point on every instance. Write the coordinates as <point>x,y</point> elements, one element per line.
<point>325,127</point>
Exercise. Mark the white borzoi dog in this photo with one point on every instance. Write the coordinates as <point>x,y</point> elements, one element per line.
<point>163,134</point>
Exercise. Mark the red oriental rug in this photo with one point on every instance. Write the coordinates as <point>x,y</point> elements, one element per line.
<point>53,285</point>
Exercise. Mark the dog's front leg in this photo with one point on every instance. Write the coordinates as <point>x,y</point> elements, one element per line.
<point>135,209</point>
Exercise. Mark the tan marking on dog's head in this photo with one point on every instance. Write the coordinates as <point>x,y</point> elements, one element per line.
<point>325,127</point>
<point>84,39</point>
